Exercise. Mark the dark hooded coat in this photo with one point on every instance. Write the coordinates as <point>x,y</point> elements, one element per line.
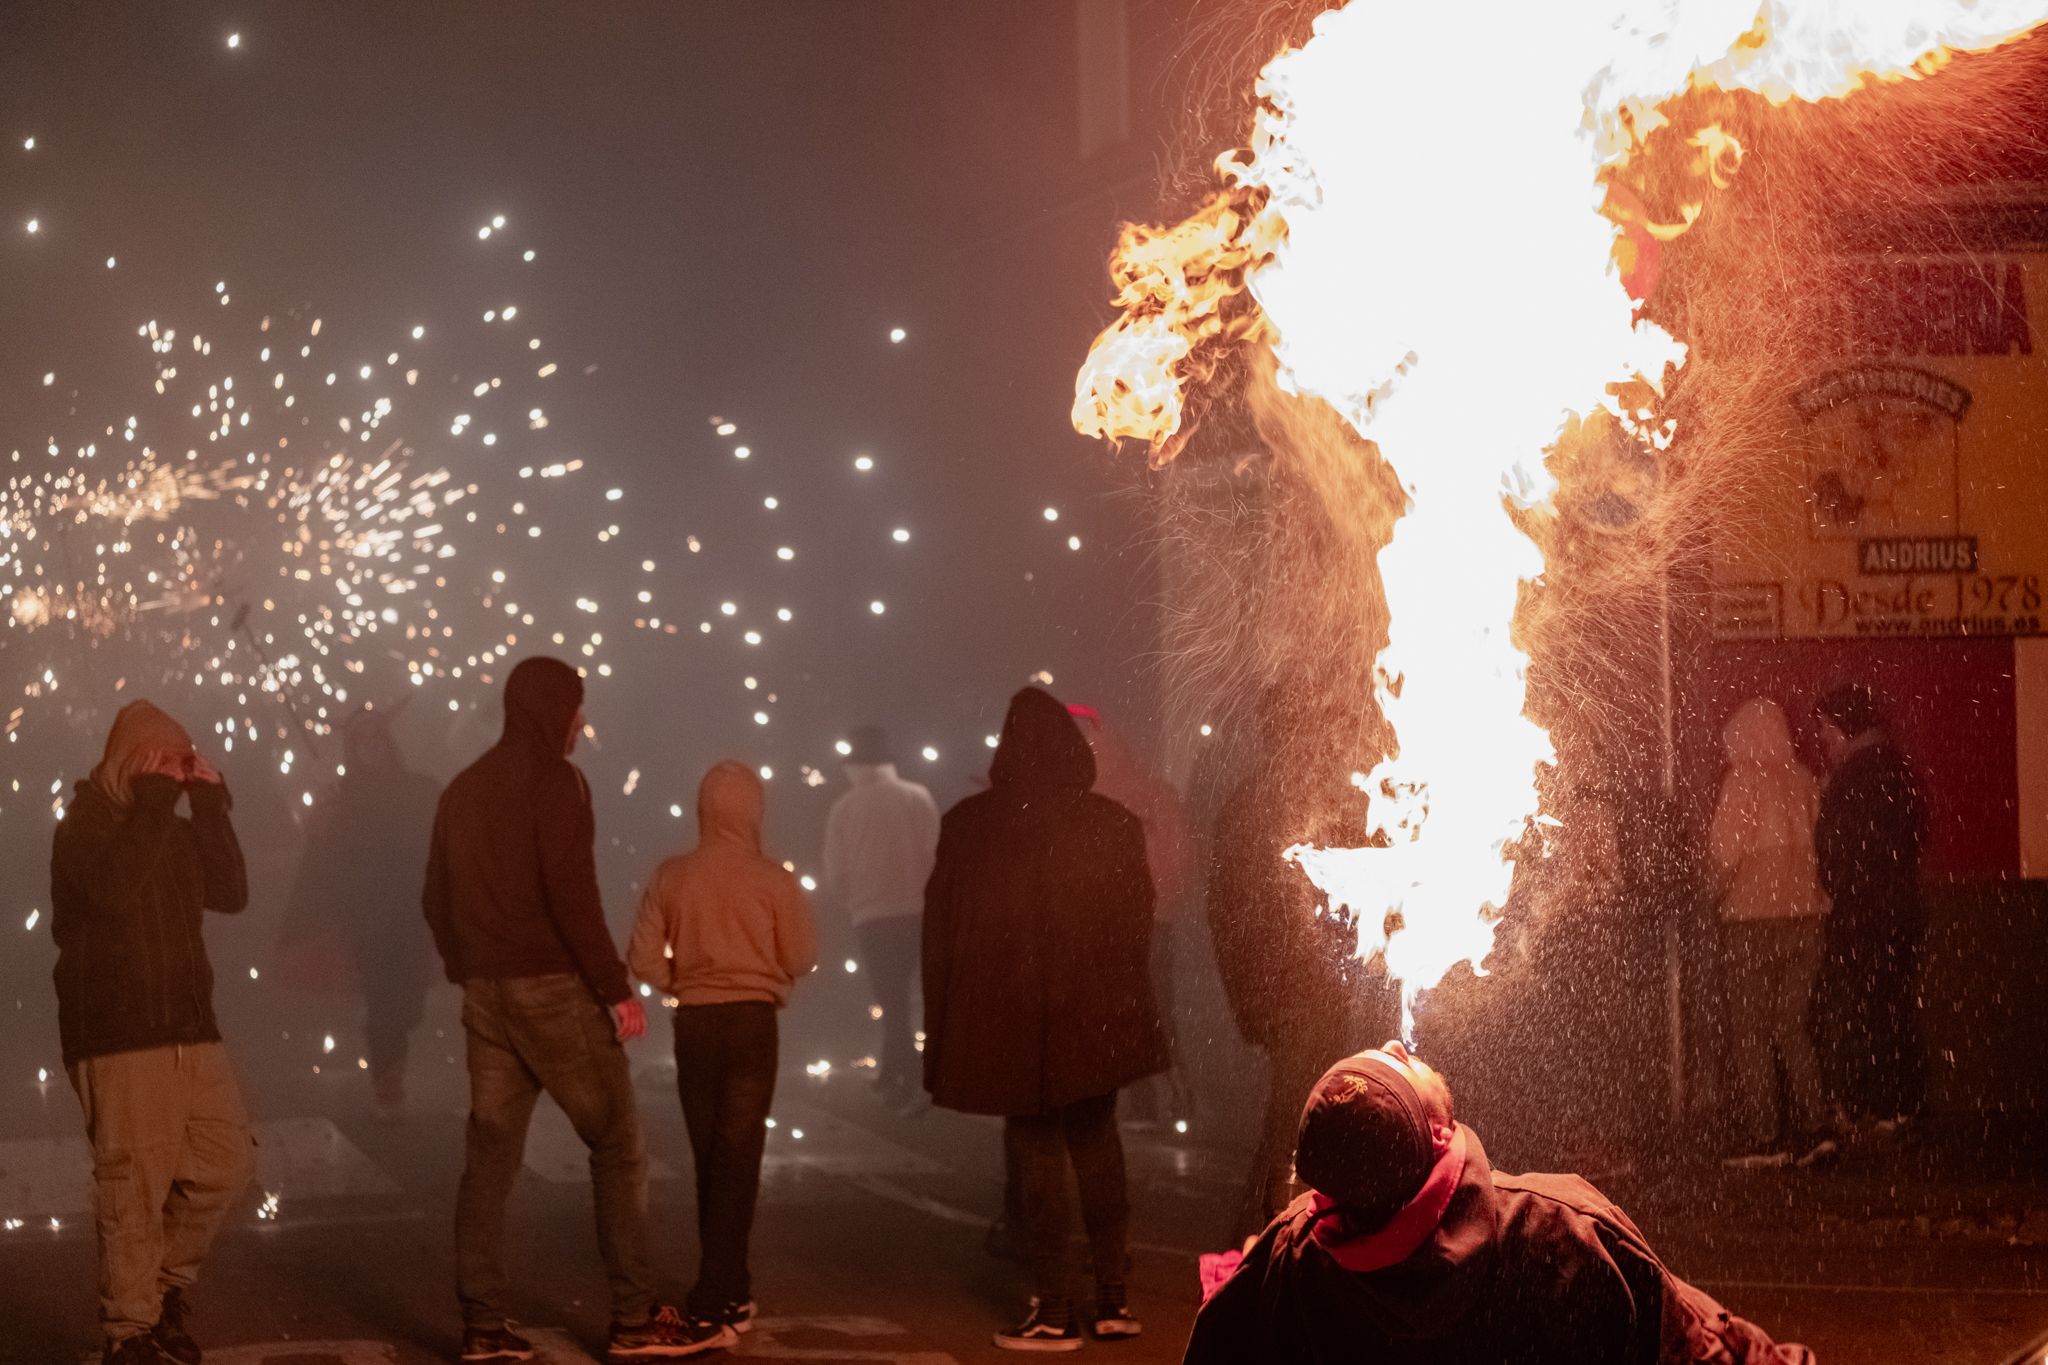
<point>130,881</point>
<point>1522,1270</point>
<point>511,884</point>
<point>1037,932</point>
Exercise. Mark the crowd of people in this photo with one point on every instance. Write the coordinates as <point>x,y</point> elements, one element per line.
<point>1372,1222</point>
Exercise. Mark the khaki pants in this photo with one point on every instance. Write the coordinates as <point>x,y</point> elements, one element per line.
<point>170,1155</point>
<point>1770,967</point>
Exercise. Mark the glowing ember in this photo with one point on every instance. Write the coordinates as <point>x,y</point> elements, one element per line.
<point>1437,267</point>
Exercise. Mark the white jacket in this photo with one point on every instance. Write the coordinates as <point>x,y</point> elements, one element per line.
<point>1761,843</point>
<point>880,841</point>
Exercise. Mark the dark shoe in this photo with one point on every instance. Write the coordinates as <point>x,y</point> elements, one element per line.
<point>667,1335</point>
<point>1113,1320</point>
<point>142,1350</point>
<point>738,1316</point>
<point>481,1344</point>
<point>170,1334</point>
<point>1047,1327</point>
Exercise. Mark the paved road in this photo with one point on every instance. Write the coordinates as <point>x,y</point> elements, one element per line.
<point>869,1248</point>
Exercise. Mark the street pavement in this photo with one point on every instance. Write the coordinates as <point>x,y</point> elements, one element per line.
<point>870,1241</point>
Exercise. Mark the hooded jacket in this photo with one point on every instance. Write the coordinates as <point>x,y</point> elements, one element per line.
<point>879,843</point>
<point>1037,932</point>
<point>130,880</point>
<point>1873,821</point>
<point>1520,1270</point>
<point>723,922</point>
<point>511,886</point>
<point>1761,842</point>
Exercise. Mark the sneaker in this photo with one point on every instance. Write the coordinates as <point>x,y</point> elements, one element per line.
<point>142,1350</point>
<point>1046,1327</point>
<point>480,1344</point>
<point>1757,1161</point>
<point>736,1314</point>
<point>1113,1320</point>
<point>170,1334</point>
<point>667,1335</point>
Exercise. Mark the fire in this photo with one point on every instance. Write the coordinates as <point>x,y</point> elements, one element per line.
<point>1422,229</point>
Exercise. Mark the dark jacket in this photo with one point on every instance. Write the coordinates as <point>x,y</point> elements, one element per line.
<point>370,841</point>
<point>1037,932</point>
<point>1522,1270</point>
<point>127,890</point>
<point>1867,842</point>
<point>1285,968</point>
<point>512,873</point>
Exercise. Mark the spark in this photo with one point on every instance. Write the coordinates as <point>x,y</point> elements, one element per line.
<point>931,755</point>
<point>864,463</point>
<point>897,334</point>
<point>234,40</point>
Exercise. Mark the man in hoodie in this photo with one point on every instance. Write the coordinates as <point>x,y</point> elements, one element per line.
<point>130,881</point>
<point>726,931</point>
<point>1038,998</point>
<point>879,843</point>
<point>1760,850</point>
<point>512,899</point>
<point>1409,1247</point>
<point>1867,841</point>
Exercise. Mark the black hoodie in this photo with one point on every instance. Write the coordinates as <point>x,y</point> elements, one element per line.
<point>512,876</point>
<point>1037,932</point>
<point>1522,1270</point>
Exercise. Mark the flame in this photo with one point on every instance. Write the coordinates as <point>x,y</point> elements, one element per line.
<point>1425,223</point>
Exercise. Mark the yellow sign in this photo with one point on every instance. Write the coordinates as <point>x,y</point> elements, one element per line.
<point>1916,499</point>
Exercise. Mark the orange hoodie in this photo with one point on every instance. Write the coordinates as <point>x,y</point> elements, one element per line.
<point>722,922</point>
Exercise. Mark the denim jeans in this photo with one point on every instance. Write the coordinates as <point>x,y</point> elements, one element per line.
<point>1083,1134</point>
<point>725,1074</point>
<point>170,1156</point>
<point>889,950</point>
<point>526,1035</point>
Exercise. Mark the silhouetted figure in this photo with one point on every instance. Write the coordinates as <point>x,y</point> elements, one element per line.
<point>130,882</point>
<point>512,897</point>
<point>1760,852</point>
<point>1290,972</point>
<point>1038,997</point>
<point>1410,1249</point>
<point>880,840</point>
<point>726,931</point>
<point>369,838</point>
<point>1872,824</point>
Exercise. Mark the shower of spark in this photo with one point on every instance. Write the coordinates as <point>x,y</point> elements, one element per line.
<point>1420,229</point>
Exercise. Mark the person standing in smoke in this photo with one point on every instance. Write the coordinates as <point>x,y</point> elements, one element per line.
<point>880,840</point>
<point>726,931</point>
<point>1038,998</point>
<point>1290,972</point>
<point>1760,852</point>
<point>379,817</point>
<point>511,895</point>
<point>130,883</point>
<point>1867,841</point>
<point>1410,1248</point>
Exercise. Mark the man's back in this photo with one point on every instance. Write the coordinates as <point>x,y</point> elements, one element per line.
<point>879,842</point>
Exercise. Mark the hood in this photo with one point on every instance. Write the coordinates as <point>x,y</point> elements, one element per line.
<point>1424,1296</point>
<point>729,804</point>
<point>1758,733</point>
<point>368,744</point>
<point>140,732</point>
<point>1041,746</point>
<point>541,697</point>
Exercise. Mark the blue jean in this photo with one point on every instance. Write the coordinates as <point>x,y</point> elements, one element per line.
<point>526,1035</point>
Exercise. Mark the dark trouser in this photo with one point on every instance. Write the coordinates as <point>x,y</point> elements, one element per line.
<point>1868,1010</point>
<point>1082,1134</point>
<point>393,1003</point>
<point>889,950</point>
<point>725,1073</point>
<point>1294,1064</point>
<point>170,1157</point>
<point>528,1034</point>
